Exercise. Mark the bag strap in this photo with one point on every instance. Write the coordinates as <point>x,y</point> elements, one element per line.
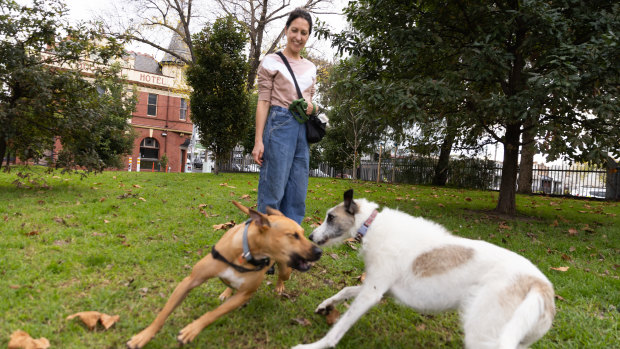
<point>288,66</point>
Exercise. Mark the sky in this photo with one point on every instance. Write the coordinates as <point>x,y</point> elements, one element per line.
<point>85,10</point>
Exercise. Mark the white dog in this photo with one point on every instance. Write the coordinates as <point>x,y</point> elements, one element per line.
<point>503,299</point>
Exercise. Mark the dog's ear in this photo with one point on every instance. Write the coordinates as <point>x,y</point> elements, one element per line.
<point>241,207</point>
<point>273,212</point>
<point>350,205</point>
<point>259,218</point>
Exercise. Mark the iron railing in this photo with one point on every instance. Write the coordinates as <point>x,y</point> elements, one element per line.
<point>576,180</point>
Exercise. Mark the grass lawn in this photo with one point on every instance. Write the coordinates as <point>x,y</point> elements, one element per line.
<point>119,242</point>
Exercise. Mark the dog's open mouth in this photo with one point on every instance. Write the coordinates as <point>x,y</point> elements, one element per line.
<point>300,263</point>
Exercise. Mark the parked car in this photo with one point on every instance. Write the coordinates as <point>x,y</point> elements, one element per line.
<point>197,165</point>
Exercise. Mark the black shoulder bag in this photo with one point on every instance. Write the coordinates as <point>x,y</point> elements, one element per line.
<point>315,128</point>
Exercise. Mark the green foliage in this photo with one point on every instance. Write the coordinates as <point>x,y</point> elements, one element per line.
<point>220,104</point>
<point>550,63</point>
<point>44,97</point>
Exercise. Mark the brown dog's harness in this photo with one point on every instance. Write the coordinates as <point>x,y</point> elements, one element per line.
<point>258,263</point>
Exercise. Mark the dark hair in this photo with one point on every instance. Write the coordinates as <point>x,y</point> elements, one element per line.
<point>299,13</point>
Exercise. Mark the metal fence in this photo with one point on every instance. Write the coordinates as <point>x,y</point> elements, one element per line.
<point>576,180</point>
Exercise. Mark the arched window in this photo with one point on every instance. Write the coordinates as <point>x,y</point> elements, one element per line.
<point>149,149</point>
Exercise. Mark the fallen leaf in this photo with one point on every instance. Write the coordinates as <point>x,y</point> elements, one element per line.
<point>22,340</point>
<point>554,224</point>
<point>558,297</point>
<point>106,221</point>
<point>566,257</point>
<point>503,225</point>
<point>91,318</point>
<point>362,277</point>
<point>572,249</point>
<point>560,268</point>
<point>334,256</point>
<point>572,231</point>
<point>224,226</point>
<point>332,316</point>
<point>420,327</point>
<point>301,321</point>
<point>202,205</point>
<point>136,186</point>
<point>32,233</point>
<point>246,197</point>
<point>467,199</point>
<point>441,205</point>
<point>141,198</point>
<point>102,199</point>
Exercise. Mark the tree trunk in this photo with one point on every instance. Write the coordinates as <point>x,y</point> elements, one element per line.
<point>216,163</point>
<point>441,169</point>
<point>527,162</point>
<point>3,151</point>
<point>507,191</point>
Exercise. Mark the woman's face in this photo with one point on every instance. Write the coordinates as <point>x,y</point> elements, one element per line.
<point>297,34</point>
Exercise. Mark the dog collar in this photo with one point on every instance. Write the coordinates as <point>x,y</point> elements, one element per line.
<point>361,232</point>
<point>247,255</point>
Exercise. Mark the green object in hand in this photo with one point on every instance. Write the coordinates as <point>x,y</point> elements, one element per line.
<point>298,109</point>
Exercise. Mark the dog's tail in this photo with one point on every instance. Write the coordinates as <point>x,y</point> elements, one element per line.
<point>530,321</point>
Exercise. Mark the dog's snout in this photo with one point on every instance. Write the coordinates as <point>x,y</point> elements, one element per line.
<point>316,252</point>
<point>310,237</point>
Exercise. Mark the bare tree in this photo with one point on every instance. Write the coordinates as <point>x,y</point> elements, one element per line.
<point>154,22</point>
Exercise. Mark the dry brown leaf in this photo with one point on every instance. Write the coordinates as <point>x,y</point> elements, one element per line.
<point>332,316</point>
<point>91,318</point>
<point>141,198</point>
<point>136,186</point>
<point>202,205</point>
<point>554,224</point>
<point>572,231</point>
<point>560,268</point>
<point>301,321</point>
<point>246,197</point>
<point>503,225</point>
<point>441,205</point>
<point>22,340</point>
<point>468,199</point>
<point>362,277</point>
<point>224,226</point>
<point>106,221</point>
<point>32,233</point>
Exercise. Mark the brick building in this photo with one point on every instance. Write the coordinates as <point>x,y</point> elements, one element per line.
<point>162,117</point>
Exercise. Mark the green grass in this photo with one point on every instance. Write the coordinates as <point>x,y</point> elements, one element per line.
<point>119,243</point>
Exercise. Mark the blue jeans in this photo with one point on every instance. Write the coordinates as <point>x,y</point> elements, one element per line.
<point>283,181</point>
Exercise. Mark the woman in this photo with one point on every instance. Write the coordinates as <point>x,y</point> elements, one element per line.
<point>280,145</point>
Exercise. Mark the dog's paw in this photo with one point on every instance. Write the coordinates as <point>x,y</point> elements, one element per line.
<point>188,333</point>
<point>139,340</point>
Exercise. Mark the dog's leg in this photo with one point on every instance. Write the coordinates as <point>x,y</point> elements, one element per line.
<point>202,271</point>
<point>368,295</point>
<point>190,331</point>
<point>343,295</point>
<point>226,294</point>
<point>284,273</point>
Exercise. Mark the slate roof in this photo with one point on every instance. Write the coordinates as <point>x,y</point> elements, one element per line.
<point>178,46</point>
<point>146,63</point>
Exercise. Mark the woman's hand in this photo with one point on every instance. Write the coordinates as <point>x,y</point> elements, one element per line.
<point>310,109</point>
<point>257,152</point>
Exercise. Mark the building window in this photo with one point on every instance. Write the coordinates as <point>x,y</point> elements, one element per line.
<point>152,105</point>
<point>183,109</point>
<point>149,149</point>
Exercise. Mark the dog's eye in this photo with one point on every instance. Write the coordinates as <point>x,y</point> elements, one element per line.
<point>294,235</point>
<point>330,218</point>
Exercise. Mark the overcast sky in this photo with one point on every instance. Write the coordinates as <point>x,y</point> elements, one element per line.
<point>84,10</point>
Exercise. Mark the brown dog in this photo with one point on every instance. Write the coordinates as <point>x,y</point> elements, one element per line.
<point>269,239</point>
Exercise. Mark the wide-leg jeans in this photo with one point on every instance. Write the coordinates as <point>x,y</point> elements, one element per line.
<point>283,181</point>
